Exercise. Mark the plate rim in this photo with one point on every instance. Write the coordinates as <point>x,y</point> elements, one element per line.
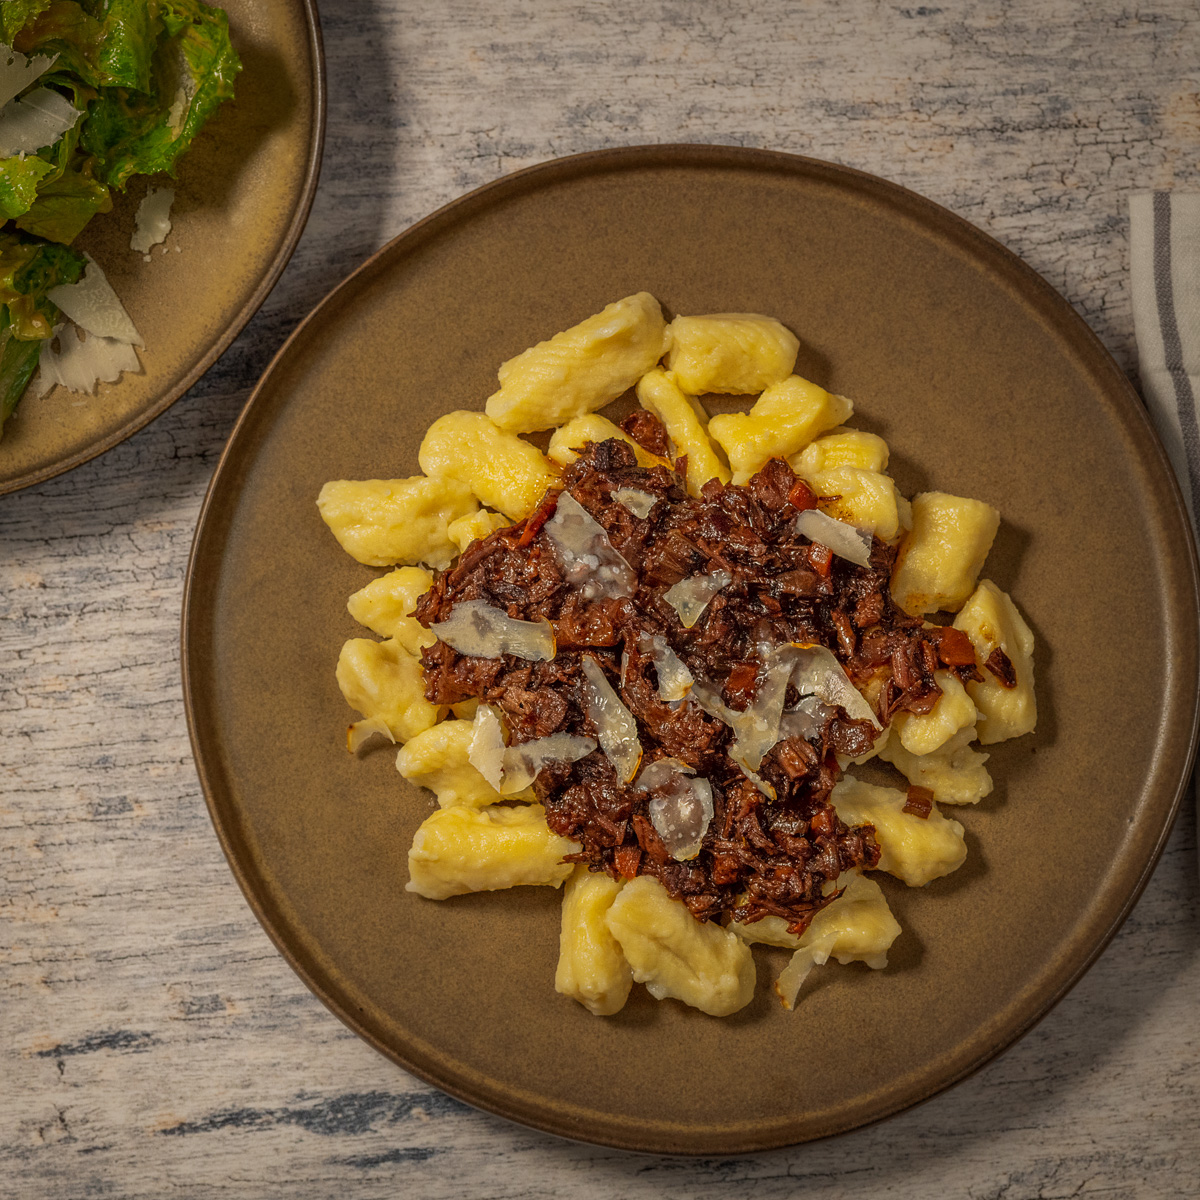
<point>557,170</point>
<point>312,174</point>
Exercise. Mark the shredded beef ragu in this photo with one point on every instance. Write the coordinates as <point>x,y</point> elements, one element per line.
<point>760,856</point>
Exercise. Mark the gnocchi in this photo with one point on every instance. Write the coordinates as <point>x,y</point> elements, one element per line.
<point>783,420</point>
<point>580,369</point>
<point>730,352</point>
<point>463,849</point>
<point>481,474</point>
<point>382,522</point>
<point>503,472</point>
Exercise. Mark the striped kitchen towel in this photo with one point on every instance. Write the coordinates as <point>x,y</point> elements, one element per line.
<point>1164,261</point>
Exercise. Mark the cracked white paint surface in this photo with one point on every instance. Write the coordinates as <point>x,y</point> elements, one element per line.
<point>138,994</point>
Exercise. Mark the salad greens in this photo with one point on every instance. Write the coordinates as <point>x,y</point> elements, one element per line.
<point>146,75</point>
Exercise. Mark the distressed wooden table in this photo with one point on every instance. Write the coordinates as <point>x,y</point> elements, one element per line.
<point>151,1040</point>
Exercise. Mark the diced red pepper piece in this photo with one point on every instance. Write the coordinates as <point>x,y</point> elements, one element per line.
<point>627,859</point>
<point>538,518</point>
<point>801,497</point>
<point>954,648</point>
<point>820,558</point>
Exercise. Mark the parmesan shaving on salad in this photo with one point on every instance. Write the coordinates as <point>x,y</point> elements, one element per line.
<point>34,121</point>
<point>93,305</point>
<point>17,72</point>
<point>79,365</point>
<point>153,219</point>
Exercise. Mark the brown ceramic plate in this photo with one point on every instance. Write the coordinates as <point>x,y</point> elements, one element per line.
<point>984,382</point>
<point>241,200</point>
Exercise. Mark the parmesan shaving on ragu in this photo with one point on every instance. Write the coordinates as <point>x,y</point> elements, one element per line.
<point>93,305</point>
<point>682,811</point>
<point>34,121</point>
<point>690,597</point>
<point>511,769</point>
<point>589,561</point>
<point>79,365</point>
<point>615,724</point>
<point>674,679</point>
<point>638,502</point>
<point>153,219</point>
<point>844,540</point>
<point>478,630</point>
<point>815,672</point>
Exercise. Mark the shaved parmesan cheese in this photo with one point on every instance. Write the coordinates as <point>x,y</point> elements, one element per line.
<point>615,725</point>
<point>638,502</point>
<point>93,305</point>
<point>478,630</point>
<point>17,72</point>
<point>674,679</point>
<point>757,729</point>
<point>362,731</point>
<point>588,559</point>
<point>815,672</point>
<point>34,121</point>
<point>806,720</point>
<point>690,597</point>
<point>511,769</point>
<point>844,540</point>
<point>681,814</point>
<point>683,811</point>
<point>79,365</point>
<point>153,219</point>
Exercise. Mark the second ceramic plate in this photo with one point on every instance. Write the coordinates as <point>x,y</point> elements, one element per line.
<point>984,383</point>
<point>241,200</point>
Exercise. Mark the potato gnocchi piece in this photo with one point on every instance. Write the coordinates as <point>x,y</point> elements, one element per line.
<point>858,925</point>
<point>784,419</point>
<point>385,606</point>
<point>991,620</point>
<point>841,447</point>
<point>566,442</point>
<point>675,955</point>
<point>923,733</point>
<point>865,499</point>
<point>382,522</point>
<point>581,369</point>
<point>954,773</point>
<point>915,849</point>
<point>437,759</point>
<point>504,472</point>
<point>462,849</point>
<point>382,679</point>
<point>591,967</point>
<point>735,353</point>
<point>941,557</point>
<point>686,423</point>
<point>475,527</point>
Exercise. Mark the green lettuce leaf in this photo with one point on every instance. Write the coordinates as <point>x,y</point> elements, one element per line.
<point>15,15</point>
<point>19,179</point>
<point>139,133</point>
<point>65,204</point>
<point>28,270</point>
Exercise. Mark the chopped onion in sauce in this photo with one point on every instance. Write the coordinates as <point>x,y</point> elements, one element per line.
<point>638,502</point>
<point>478,630</point>
<point>791,978</point>
<point>588,559</point>
<point>674,679</point>
<point>362,731</point>
<point>615,725</point>
<point>690,597</point>
<point>844,540</point>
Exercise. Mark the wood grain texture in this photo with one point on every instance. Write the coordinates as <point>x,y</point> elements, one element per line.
<point>151,1040</point>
